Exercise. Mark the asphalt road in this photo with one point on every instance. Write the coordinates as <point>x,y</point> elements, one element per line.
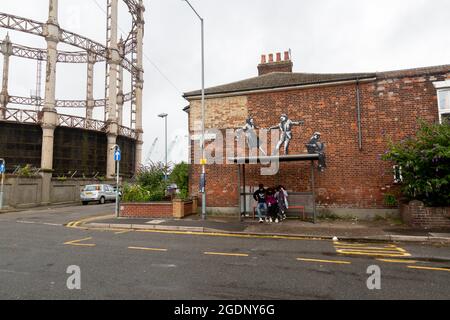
<point>36,250</point>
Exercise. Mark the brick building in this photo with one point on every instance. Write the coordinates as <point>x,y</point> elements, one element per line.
<point>356,113</point>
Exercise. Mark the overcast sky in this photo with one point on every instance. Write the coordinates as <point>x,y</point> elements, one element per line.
<point>324,36</point>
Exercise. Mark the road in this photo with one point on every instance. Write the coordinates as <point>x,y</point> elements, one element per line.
<point>36,249</point>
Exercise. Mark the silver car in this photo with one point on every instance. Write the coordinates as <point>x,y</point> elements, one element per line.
<point>98,192</point>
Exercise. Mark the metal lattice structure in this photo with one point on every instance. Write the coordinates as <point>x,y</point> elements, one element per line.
<point>118,56</point>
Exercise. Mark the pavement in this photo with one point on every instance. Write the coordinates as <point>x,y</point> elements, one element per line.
<point>94,216</point>
<point>345,230</point>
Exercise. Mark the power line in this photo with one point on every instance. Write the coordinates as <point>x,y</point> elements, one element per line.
<point>145,56</point>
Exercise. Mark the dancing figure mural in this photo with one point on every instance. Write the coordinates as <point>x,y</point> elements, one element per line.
<point>285,126</point>
<point>250,134</point>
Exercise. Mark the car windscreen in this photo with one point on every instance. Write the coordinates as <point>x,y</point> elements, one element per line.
<point>92,188</point>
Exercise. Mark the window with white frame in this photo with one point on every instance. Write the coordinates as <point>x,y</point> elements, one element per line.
<point>443,94</point>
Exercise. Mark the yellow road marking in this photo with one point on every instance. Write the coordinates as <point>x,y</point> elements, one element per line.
<point>325,261</point>
<point>77,243</point>
<point>147,249</point>
<point>338,243</point>
<point>227,254</point>
<point>369,248</point>
<point>75,224</point>
<point>218,234</point>
<point>397,260</point>
<point>362,253</point>
<point>429,268</point>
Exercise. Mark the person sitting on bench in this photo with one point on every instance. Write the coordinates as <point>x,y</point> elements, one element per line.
<point>272,206</point>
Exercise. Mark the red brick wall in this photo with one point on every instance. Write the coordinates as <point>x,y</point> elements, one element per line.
<point>417,215</point>
<point>188,208</point>
<point>146,210</point>
<point>390,109</point>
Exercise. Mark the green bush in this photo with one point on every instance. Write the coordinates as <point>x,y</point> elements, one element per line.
<point>26,171</point>
<point>425,164</point>
<point>149,186</point>
<point>180,176</point>
<point>152,177</point>
<point>390,199</point>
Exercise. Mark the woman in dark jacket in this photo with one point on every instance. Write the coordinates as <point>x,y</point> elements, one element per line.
<point>272,206</point>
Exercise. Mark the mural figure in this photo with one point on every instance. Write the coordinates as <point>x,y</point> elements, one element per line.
<point>285,127</point>
<point>250,133</point>
<point>315,146</point>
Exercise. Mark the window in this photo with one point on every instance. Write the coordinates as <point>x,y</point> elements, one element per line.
<point>444,105</point>
<point>443,94</point>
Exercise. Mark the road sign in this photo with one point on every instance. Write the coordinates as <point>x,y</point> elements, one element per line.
<point>2,167</point>
<point>117,155</point>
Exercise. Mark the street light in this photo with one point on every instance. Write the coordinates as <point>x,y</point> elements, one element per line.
<point>164,116</point>
<point>203,161</point>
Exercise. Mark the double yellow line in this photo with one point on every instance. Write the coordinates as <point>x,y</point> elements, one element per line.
<point>373,250</point>
<point>78,223</point>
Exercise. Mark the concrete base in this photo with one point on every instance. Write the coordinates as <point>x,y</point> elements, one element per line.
<point>360,214</point>
<point>221,211</point>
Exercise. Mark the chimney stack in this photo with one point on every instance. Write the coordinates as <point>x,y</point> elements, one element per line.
<point>279,65</point>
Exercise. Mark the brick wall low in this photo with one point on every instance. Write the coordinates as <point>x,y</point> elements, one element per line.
<point>188,207</point>
<point>417,215</point>
<point>146,210</point>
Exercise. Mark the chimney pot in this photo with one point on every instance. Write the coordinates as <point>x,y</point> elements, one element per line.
<point>278,56</point>
<point>268,65</point>
<point>263,59</point>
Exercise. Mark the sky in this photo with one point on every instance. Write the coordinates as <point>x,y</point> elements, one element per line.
<point>324,36</point>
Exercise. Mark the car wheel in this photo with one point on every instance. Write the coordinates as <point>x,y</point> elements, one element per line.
<point>85,203</point>
<point>102,200</point>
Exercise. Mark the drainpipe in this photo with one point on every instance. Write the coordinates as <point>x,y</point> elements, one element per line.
<point>358,108</point>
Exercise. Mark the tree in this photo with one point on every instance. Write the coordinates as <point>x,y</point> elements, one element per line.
<point>180,176</point>
<point>425,164</point>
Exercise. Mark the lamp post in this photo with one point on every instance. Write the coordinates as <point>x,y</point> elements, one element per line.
<point>202,142</point>
<point>2,173</point>
<point>164,116</point>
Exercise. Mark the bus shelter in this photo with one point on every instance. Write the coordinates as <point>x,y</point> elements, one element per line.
<point>264,160</point>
